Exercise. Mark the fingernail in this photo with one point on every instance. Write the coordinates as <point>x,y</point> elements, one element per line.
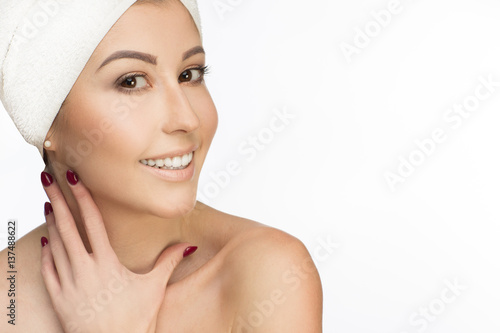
<point>189,250</point>
<point>48,208</point>
<point>72,177</point>
<point>46,179</point>
<point>44,241</point>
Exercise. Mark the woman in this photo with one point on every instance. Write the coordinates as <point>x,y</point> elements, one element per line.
<point>127,247</point>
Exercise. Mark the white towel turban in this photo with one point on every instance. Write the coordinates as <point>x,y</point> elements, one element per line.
<point>44,46</point>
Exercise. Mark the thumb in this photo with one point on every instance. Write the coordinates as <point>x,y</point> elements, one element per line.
<point>170,258</point>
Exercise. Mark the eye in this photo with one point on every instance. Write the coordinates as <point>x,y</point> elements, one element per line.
<point>134,81</point>
<point>193,75</point>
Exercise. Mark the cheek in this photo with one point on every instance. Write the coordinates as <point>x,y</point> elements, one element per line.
<point>102,133</point>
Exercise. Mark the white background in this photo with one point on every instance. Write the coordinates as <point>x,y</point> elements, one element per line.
<point>323,177</point>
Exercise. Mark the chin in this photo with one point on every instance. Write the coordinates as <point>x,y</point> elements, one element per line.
<point>175,207</point>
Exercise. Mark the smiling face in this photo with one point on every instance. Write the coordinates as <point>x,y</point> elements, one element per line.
<point>140,99</point>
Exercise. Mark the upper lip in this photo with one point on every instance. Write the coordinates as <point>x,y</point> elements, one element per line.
<point>178,152</point>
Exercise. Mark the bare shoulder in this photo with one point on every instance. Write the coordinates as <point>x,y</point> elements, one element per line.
<point>274,284</point>
<point>25,289</point>
<point>270,257</point>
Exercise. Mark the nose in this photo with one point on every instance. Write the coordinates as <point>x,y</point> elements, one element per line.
<point>178,113</point>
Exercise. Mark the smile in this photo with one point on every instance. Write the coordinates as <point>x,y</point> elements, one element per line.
<point>170,163</point>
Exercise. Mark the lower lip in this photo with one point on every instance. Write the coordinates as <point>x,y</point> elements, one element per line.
<point>173,175</point>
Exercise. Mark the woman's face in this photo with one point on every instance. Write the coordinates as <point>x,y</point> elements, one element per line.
<point>140,97</point>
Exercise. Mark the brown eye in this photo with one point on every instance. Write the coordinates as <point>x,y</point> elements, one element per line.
<point>129,82</point>
<point>193,75</point>
<point>186,76</point>
<point>134,81</point>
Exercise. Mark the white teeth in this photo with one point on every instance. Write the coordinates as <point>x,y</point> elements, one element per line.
<point>177,162</point>
<point>185,160</point>
<point>169,163</point>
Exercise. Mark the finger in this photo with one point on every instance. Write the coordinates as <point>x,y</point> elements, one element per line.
<point>92,218</point>
<point>57,249</point>
<point>170,258</point>
<point>48,271</point>
<point>64,222</point>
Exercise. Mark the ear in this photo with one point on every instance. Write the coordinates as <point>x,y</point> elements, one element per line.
<point>48,145</point>
<point>49,142</point>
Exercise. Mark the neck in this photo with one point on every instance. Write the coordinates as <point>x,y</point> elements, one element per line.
<point>137,239</point>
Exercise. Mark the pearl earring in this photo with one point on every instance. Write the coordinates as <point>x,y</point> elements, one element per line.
<point>47,144</point>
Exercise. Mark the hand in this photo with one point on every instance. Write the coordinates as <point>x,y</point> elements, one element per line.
<point>94,292</point>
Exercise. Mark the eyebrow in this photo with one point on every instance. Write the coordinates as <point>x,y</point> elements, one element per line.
<point>191,52</point>
<point>146,57</point>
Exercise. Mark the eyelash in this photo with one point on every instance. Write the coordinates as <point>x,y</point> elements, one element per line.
<point>203,69</point>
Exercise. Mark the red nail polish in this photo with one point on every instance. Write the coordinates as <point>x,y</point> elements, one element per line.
<point>46,179</point>
<point>72,177</point>
<point>189,250</point>
<point>48,208</point>
<point>44,241</point>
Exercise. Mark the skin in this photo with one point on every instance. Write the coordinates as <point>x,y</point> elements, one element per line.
<point>244,274</point>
